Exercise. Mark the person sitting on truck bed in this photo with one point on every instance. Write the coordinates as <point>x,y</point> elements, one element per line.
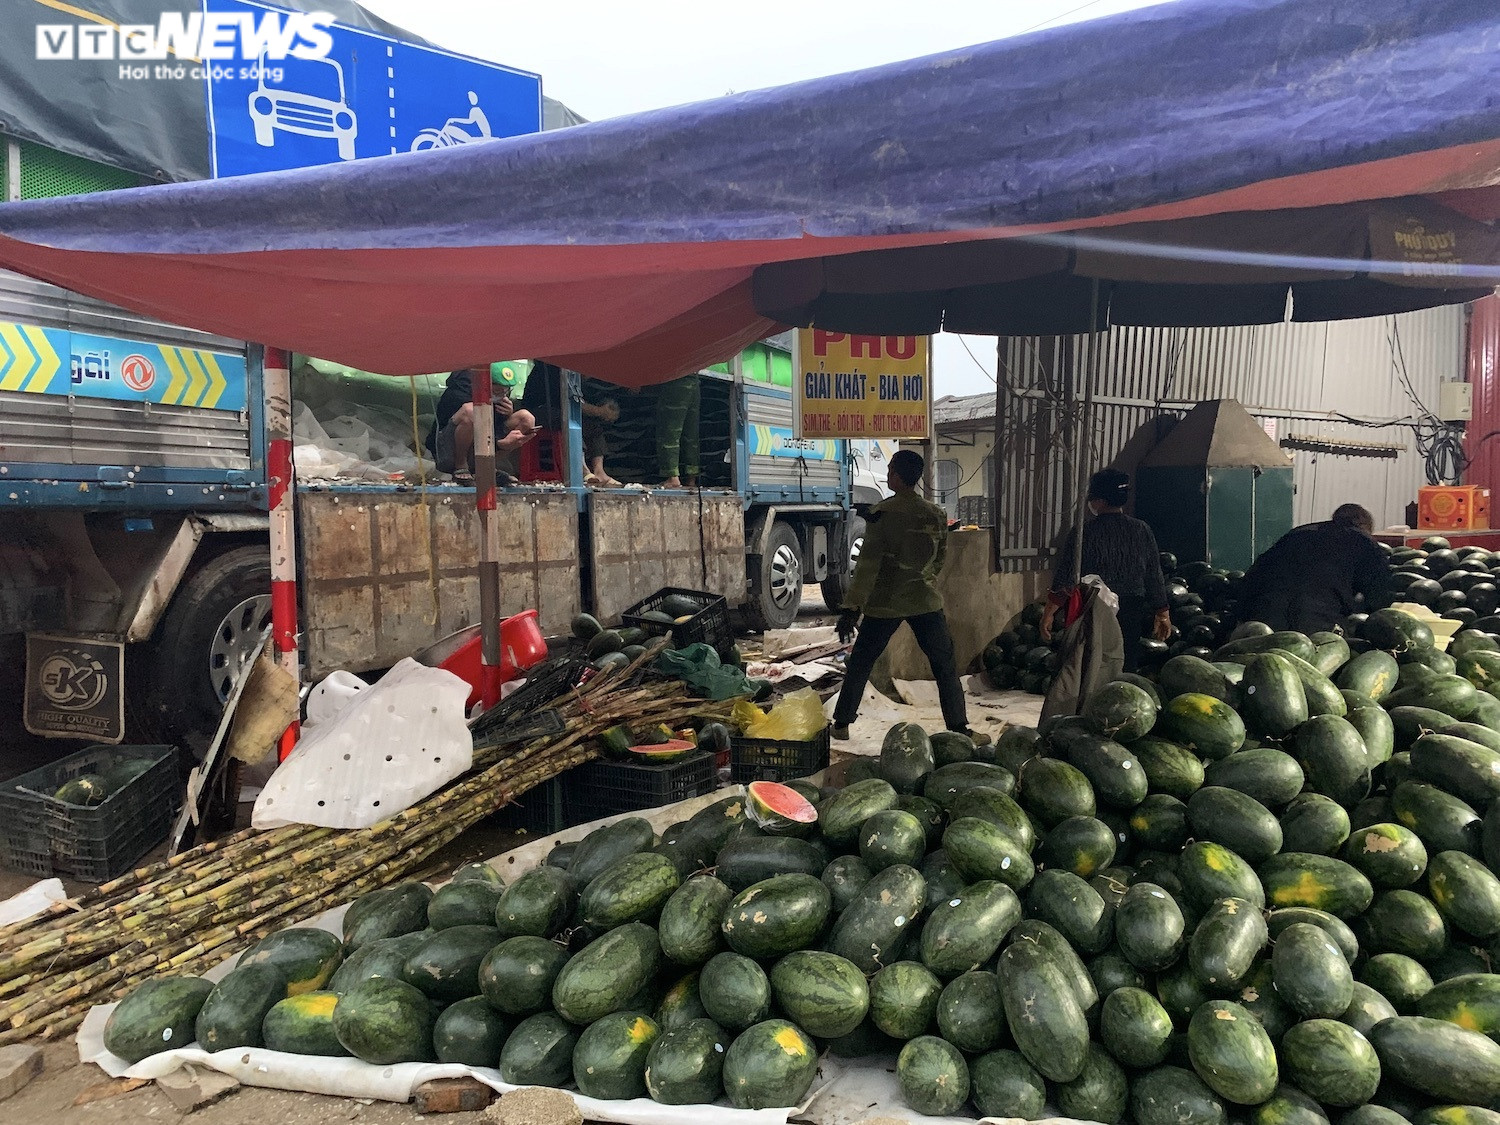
<point>895,580</point>
<point>451,439</point>
<point>543,396</point>
<point>1309,579</point>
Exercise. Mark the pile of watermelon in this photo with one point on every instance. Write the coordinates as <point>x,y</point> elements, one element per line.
<point>1258,888</point>
<point>1456,584</point>
<point>1202,600</point>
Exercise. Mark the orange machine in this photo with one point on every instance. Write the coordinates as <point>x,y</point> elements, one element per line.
<point>1453,507</point>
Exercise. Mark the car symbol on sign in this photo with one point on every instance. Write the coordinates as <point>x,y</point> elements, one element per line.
<point>303,96</point>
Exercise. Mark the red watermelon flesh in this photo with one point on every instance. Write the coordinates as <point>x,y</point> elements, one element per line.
<point>777,808</point>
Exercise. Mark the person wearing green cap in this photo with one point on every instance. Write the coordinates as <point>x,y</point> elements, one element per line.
<point>451,439</point>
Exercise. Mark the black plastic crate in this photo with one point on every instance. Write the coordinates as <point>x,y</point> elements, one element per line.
<point>598,789</point>
<point>544,683</point>
<point>774,759</point>
<point>710,625</point>
<point>537,812</point>
<point>44,836</point>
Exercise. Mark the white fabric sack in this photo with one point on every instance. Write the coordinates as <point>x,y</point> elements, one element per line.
<point>391,745</point>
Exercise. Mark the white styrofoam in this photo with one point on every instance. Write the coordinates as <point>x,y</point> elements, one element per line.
<point>389,746</point>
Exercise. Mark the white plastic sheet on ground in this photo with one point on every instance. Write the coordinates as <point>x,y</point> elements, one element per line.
<point>387,747</point>
<point>847,1091</point>
<point>33,900</point>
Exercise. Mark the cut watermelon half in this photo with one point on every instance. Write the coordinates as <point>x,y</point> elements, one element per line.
<point>779,809</point>
<point>672,750</point>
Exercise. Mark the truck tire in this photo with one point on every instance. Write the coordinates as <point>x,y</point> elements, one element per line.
<point>776,581</point>
<point>208,632</point>
<point>836,585</point>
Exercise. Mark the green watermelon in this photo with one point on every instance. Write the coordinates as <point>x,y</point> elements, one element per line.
<point>822,993</point>
<point>384,1021</point>
<point>468,1032</point>
<point>160,1014</point>
<point>517,976</point>
<point>690,921</point>
<point>778,915</point>
<point>735,991</point>
<point>609,1059</point>
<point>303,1024</point>
<point>1331,1061</point>
<point>685,1066</point>
<point>539,1052</point>
<point>604,976</point>
<point>232,1014</point>
<point>1232,1053</point>
<point>307,957</point>
<point>770,1065</point>
<point>934,1076</point>
<point>906,757</point>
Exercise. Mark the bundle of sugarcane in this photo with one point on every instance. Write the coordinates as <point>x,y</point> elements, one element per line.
<point>185,914</point>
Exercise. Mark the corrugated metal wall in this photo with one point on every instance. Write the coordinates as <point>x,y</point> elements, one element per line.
<point>1295,378</point>
<point>1483,450</point>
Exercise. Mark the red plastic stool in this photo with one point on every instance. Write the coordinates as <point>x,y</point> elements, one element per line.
<point>542,457</point>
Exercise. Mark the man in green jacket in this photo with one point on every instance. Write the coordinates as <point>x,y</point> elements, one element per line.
<point>895,581</point>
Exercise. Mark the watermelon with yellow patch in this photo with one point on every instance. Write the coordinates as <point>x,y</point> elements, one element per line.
<point>770,1066</point>
<point>1472,1001</point>
<point>303,1025</point>
<point>609,1060</point>
<point>779,809</point>
<point>1318,881</point>
<point>307,957</point>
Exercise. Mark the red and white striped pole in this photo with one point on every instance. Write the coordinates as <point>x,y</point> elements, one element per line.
<point>281,479</point>
<point>489,535</point>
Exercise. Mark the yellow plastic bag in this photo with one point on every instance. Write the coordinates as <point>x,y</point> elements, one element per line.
<point>746,716</point>
<point>797,718</point>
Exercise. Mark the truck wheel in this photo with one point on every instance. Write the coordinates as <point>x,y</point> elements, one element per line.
<point>836,586</point>
<point>209,632</point>
<point>776,581</point>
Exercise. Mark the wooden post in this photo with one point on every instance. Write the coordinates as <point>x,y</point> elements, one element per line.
<point>489,535</point>
<point>281,479</point>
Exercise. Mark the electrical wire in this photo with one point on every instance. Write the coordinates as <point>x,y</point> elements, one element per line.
<point>1440,444</point>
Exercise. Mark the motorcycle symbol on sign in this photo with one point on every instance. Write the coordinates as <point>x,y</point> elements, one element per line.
<point>456,130</point>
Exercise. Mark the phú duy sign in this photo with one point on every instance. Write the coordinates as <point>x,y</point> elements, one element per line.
<point>862,386</point>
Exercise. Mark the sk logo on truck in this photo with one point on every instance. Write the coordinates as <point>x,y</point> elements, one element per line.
<point>73,680</point>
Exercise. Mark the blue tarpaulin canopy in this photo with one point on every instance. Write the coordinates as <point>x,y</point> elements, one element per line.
<point>1197,156</point>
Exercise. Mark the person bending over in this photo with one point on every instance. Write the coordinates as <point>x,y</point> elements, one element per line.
<point>1312,577</point>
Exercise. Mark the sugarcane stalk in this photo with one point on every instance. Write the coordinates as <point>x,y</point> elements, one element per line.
<point>249,884</point>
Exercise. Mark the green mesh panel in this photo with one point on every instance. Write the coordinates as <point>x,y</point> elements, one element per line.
<point>46,173</point>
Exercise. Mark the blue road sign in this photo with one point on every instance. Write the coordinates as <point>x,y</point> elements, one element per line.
<point>370,96</point>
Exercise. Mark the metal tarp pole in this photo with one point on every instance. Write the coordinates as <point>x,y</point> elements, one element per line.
<point>1084,421</point>
<point>489,535</point>
<point>281,481</point>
